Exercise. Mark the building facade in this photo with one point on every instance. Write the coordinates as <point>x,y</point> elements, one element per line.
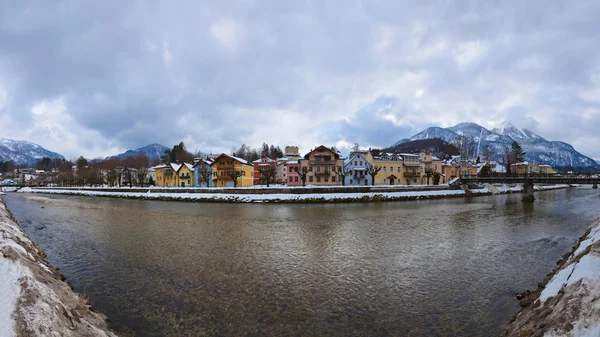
<point>203,173</point>
<point>356,167</point>
<point>224,164</point>
<point>321,163</point>
<point>391,167</point>
<point>259,179</point>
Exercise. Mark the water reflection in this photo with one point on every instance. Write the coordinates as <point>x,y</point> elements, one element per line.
<point>424,268</point>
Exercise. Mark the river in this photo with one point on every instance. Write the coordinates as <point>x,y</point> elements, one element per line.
<point>421,268</point>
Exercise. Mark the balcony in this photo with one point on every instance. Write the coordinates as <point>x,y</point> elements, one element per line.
<point>324,173</point>
<point>225,167</point>
<point>321,162</point>
<point>223,177</point>
<point>185,177</point>
<point>412,174</point>
<point>168,173</point>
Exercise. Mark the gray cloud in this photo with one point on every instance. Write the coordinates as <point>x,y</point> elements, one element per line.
<point>108,76</point>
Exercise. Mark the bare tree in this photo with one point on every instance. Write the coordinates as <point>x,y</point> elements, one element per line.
<point>372,171</point>
<point>141,176</point>
<point>302,173</point>
<point>267,173</point>
<point>234,175</point>
<point>204,175</point>
<point>429,173</point>
<point>341,171</point>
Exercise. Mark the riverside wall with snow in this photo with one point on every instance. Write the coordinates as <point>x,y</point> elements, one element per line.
<point>324,197</point>
<point>567,303</point>
<point>34,299</point>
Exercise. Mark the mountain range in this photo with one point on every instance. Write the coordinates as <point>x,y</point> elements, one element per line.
<point>151,151</point>
<point>24,153</point>
<point>538,149</point>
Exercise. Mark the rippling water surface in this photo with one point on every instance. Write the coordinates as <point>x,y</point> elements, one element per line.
<point>423,268</point>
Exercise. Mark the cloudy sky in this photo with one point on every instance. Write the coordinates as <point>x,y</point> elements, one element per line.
<point>98,77</point>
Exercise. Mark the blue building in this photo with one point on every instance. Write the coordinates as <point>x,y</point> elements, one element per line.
<point>203,173</point>
<point>356,166</point>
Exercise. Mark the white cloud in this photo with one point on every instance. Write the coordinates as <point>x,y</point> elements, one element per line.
<point>226,32</point>
<point>470,52</point>
<point>3,97</point>
<point>384,38</point>
<point>166,52</point>
<point>54,128</point>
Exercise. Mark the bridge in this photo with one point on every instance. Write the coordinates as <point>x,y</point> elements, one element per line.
<point>528,181</point>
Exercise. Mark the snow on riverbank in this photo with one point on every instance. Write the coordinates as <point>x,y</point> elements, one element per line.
<point>265,198</point>
<point>273,198</point>
<point>569,304</point>
<point>34,301</point>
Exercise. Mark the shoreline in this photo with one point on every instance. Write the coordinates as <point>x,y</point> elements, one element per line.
<point>564,303</point>
<point>36,299</point>
<point>409,195</point>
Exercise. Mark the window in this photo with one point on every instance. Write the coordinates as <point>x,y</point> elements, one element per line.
<point>361,163</point>
<point>415,180</point>
<point>326,179</point>
<point>391,169</point>
<point>290,179</point>
<point>340,179</point>
<point>384,169</point>
<point>355,163</point>
<point>310,179</point>
<point>351,182</point>
<point>318,168</point>
<point>296,178</point>
<point>318,179</point>
<point>384,180</point>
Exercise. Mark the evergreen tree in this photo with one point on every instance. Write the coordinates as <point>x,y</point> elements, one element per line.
<point>518,155</point>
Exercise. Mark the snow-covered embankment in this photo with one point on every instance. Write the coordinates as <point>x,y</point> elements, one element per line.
<point>287,198</point>
<point>34,301</point>
<point>569,304</point>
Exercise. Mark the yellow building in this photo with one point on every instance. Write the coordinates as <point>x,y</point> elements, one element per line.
<point>185,175</point>
<point>174,175</point>
<point>391,167</point>
<point>413,172</point>
<point>224,165</point>
<point>166,175</point>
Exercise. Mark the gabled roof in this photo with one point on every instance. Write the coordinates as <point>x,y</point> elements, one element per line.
<point>323,147</point>
<point>175,167</point>
<point>243,161</point>
<point>203,162</point>
<point>264,160</point>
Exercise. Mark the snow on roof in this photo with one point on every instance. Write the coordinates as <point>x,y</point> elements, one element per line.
<point>243,161</point>
<point>189,166</point>
<point>158,166</point>
<point>500,169</point>
<point>292,162</point>
<point>264,160</point>
<point>175,167</point>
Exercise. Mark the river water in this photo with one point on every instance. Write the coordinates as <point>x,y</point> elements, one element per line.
<point>420,268</point>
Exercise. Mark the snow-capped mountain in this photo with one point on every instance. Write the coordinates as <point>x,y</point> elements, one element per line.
<point>508,129</point>
<point>24,153</point>
<point>151,151</point>
<point>538,149</point>
<point>432,132</point>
